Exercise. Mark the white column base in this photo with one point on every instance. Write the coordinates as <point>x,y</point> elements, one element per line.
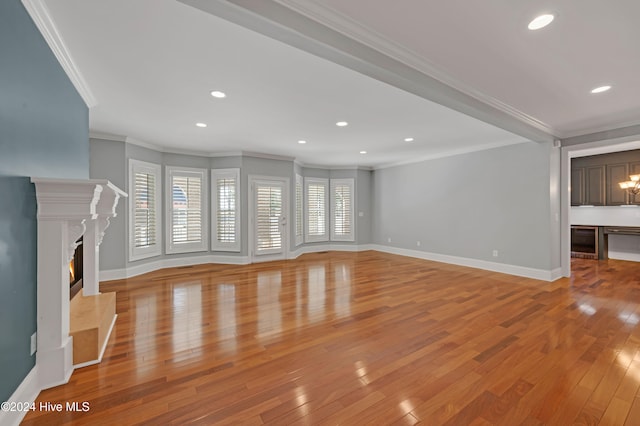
<point>55,365</point>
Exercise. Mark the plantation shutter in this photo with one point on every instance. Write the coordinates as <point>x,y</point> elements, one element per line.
<point>342,210</point>
<point>226,217</point>
<point>299,210</point>
<point>316,216</point>
<point>187,209</point>
<point>226,209</point>
<point>268,216</point>
<point>145,236</point>
<point>145,210</point>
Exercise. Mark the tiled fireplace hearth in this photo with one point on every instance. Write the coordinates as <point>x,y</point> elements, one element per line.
<point>68,210</point>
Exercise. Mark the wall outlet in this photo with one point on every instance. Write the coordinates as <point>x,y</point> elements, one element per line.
<point>418,243</point>
<point>360,214</point>
<point>389,239</point>
<point>495,253</point>
<point>34,343</point>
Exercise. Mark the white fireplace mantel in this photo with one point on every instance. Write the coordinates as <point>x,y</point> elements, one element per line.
<point>67,210</point>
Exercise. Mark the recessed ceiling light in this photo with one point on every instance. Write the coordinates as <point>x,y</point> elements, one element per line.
<point>408,139</point>
<point>302,142</point>
<point>201,124</point>
<point>218,94</point>
<point>363,152</point>
<point>601,89</point>
<point>342,123</point>
<point>540,22</point>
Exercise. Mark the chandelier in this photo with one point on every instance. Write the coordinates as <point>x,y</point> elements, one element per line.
<point>632,185</point>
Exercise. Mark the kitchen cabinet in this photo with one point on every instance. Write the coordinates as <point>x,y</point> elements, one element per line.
<point>634,169</point>
<point>594,186</point>
<point>594,179</point>
<point>617,196</point>
<point>577,186</point>
<point>588,186</point>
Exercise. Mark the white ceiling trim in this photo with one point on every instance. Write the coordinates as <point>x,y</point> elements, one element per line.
<point>370,38</point>
<point>317,166</point>
<point>620,125</point>
<point>41,16</point>
<point>107,136</point>
<point>451,153</point>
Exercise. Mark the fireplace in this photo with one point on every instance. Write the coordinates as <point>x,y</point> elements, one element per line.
<point>69,210</point>
<point>75,270</point>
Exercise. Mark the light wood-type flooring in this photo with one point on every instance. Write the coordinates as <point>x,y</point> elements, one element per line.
<point>364,338</point>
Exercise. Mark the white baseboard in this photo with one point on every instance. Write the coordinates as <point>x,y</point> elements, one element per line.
<point>621,255</point>
<point>27,393</point>
<point>328,247</point>
<point>135,270</point>
<point>556,274</point>
<point>520,271</point>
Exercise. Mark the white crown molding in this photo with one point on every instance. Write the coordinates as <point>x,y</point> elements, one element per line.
<point>451,153</point>
<point>165,150</point>
<point>41,16</point>
<point>356,31</point>
<point>320,166</point>
<point>266,156</point>
<point>107,136</point>
<point>225,154</point>
<point>614,127</point>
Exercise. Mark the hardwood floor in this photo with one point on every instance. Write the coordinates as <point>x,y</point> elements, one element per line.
<point>365,338</point>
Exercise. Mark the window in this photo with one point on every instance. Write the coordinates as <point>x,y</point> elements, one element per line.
<point>316,209</point>
<point>342,210</point>
<point>186,210</point>
<point>144,210</point>
<point>226,209</point>
<point>299,211</point>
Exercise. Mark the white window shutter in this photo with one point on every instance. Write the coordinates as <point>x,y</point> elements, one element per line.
<point>226,209</point>
<point>299,225</point>
<point>316,209</point>
<point>186,210</point>
<point>342,210</point>
<point>145,239</point>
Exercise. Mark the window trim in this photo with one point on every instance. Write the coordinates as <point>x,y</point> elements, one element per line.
<point>189,247</point>
<point>299,211</point>
<point>316,238</point>
<point>350,182</point>
<point>139,253</point>
<point>216,245</point>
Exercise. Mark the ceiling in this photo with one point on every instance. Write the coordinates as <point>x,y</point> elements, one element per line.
<point>455,76</point>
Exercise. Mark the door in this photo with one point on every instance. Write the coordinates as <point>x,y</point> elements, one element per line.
<point>268,219</point>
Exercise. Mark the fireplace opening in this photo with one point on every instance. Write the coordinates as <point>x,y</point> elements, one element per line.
<point>75,270</point>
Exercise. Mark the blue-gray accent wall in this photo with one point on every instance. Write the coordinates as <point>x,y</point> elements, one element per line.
<point>44,132</point>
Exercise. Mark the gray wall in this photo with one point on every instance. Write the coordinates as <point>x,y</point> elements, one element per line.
<point>108,162</point>
<point>364,191</point>
<point>44,133</point>
<point>469,205</point>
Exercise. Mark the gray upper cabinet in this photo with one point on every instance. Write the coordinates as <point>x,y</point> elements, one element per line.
<point>595,193</point>
<point>634,169</point>
<point>617,196</point>
<point>594,179</point>
<point>577,187</point>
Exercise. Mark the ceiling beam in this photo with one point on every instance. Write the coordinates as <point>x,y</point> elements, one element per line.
<point>293,28</point>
